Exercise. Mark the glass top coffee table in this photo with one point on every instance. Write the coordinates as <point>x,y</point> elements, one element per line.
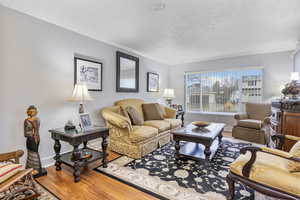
<point>201,143</point>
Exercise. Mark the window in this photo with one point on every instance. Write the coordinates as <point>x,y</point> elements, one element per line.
<point>223,91</point>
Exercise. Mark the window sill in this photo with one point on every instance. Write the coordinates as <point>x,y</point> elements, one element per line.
<point>212,113</point>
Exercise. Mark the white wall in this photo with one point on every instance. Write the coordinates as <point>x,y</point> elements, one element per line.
<point>36,67</point>
<point>277,69</point>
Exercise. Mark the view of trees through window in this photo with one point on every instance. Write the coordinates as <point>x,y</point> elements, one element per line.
<point>223,91</point>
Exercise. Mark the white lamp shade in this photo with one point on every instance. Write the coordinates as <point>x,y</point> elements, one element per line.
<point>295,76</point>
<point>169,94</point>
<point>81,93</point>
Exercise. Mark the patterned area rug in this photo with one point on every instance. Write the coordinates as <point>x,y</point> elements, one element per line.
<point>44,194</point>
<point>159,174</point>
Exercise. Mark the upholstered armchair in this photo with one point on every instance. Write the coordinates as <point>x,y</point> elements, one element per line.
<point>252,125</point>
<point>267,170</point>
<point>21,185</point>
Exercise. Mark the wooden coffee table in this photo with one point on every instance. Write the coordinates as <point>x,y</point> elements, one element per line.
<point>202,143</point>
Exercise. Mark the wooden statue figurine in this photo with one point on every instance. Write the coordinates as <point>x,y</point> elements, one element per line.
<point>31,132</point>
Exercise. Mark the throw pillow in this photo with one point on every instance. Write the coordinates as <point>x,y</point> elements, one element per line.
<point>8,170</point>
<point>152,111</point>
<point>124,112</point>
<point>295,151</point>
<point>163,111</point>
<point>134,115</point>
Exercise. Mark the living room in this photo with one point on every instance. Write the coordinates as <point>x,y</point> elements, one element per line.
<point>190,57</point>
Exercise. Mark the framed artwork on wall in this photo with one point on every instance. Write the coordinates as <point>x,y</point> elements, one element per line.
<point>127,73</point>
<point>89,72</point>
<point>152,82</point>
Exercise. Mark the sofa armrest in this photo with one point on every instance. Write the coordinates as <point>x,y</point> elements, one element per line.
<point>253,150</point>
<point>15,155</point>
<point>117,119</point>
<point>241,116</point>
<point>267,120</point>
<point>280,139</point>
<point>170,112</point>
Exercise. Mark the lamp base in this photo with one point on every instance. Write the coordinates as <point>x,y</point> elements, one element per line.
<point>169,102</point>
<point>81,109</point>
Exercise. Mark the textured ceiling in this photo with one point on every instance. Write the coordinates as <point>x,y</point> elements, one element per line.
<point>184,31</point>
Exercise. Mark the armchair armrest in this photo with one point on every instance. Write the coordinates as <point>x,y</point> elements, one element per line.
<point>267,120</point>
<point>170,112</point>
<point>253,150</point>
<point>15,155</point>
<point>241,116</point>
<point>280,139</point>
<point>117,119</point>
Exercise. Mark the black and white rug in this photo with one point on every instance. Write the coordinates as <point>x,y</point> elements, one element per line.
<point>159,174</point>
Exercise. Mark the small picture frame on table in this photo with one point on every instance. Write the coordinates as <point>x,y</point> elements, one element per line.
<point>179,108</point>
<point>85,121</point>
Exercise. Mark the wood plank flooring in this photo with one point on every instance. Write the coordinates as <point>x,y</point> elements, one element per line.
<point>93,185</point>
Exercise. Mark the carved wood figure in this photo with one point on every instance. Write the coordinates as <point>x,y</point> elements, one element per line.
<point>31,132</point>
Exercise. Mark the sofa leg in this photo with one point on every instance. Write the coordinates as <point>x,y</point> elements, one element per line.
<point>230,183</point>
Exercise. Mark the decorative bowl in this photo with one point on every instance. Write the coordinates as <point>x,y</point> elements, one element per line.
<point>200,124</point>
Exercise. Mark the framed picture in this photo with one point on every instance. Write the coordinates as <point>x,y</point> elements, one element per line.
<point>85,121</point>
<point>127,73</point>
<point>152,82</point>
<point>88,72</point>
<point>179,108</point>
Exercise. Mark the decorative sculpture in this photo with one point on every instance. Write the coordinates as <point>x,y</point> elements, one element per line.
<point>31,132</point>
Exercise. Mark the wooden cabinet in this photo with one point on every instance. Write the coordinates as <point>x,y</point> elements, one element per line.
<point>285,119</point>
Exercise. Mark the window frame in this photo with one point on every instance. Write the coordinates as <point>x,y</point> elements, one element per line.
<point>223,70</point>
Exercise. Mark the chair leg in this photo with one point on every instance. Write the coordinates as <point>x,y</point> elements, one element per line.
<point>230,183</point>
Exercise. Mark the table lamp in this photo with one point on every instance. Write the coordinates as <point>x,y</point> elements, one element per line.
<point>169,95</point>
<point>81,94</point>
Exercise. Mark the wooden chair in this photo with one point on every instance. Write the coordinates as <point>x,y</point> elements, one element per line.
<point>21,185</point>
<point>264,170</point>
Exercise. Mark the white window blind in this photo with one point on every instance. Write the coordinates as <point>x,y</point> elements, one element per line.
<point>223,91</point>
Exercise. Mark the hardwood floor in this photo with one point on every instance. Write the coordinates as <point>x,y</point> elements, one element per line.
<point>93,185</point>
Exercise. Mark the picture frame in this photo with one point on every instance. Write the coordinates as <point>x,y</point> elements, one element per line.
<point>85,121</point>
<point>89,72</point>
<point>179,107</point>
<point>127,77</point>
<point>152,82</point>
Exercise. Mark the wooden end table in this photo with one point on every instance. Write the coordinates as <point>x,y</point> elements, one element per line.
<point>75,138</point>
<point>202,144</point>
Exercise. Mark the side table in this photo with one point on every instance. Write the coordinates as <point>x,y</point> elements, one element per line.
<point>75,138</point>
<point>181,115</point>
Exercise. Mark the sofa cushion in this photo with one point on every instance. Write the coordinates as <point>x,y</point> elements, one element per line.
<point>175,123</point>
<point>134,115</point>
<point>269,170</point>
<point>295,151</point>
<point>163,110</point>
<point>8,170</point>
<point>141,133</point>
<point>161,125</point>
<point>250,123</point>
<point>136,103</point>
<point>152,111</point>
